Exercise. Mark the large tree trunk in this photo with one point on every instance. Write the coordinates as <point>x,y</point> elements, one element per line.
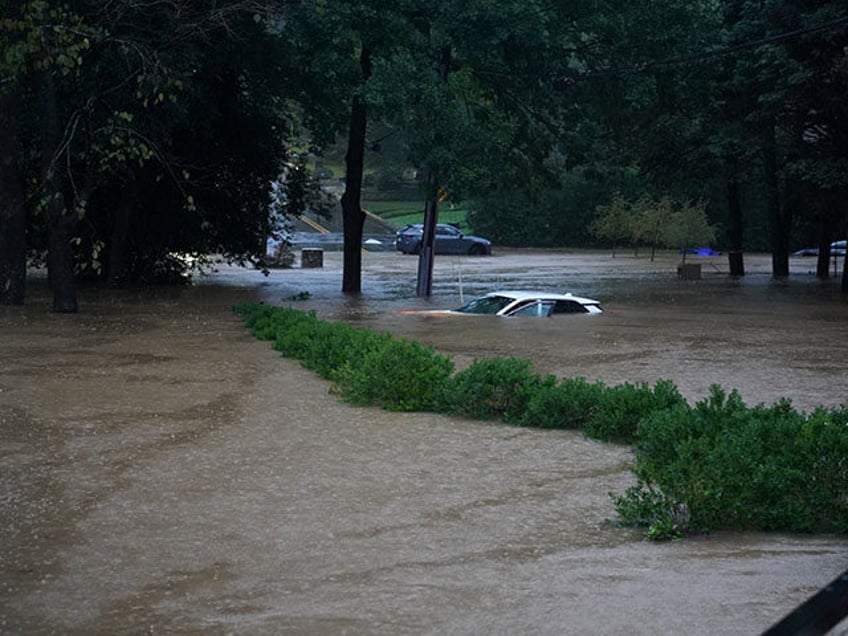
<point>353,217</point>
<point>823,258</point>
<point>779,216</point>
<point>427,255</point>
<point>735,225</point>
<point>61,222</point>
<point>12,210</point>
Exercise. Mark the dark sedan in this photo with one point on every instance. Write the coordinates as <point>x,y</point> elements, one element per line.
<point>449,240</point>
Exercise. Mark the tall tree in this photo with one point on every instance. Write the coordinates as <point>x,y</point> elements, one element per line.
<point>131,113</point>
<point>12,211</point>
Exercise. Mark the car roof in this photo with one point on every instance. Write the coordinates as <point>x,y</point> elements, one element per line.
<point>543,295</point>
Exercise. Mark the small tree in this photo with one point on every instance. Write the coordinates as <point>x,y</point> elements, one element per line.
<point>688,226</point>
<point>614,221</point>
<point>652,220</point>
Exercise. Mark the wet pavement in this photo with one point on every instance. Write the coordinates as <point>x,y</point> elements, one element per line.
<point>165,473</point>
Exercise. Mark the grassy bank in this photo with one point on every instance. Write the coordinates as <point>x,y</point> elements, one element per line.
<point>401,213</point>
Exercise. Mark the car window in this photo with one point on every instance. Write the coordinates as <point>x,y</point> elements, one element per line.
<point>485,305</point>
<point>535,309</point>
<point>569,307</point>
<point>447,230</point>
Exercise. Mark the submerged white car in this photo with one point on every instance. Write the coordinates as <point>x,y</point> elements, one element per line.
<point>524,303</point>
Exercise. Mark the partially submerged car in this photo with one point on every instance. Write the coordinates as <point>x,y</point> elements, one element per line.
<point>539,304</point>
<point>448,240</point>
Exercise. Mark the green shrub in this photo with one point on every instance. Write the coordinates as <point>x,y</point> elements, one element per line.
<point>295,338</point>
<point>398,376</point>
<point>621,408</point>
<point>335,345</point>
<point>260,319</point>
<point>644,505</point>
<point>569,404</point>
<point>494,388</point>
<point>823,444</point>
<point>733,467</point>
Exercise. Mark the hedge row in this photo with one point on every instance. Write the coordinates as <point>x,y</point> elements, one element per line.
<point>717,465</point>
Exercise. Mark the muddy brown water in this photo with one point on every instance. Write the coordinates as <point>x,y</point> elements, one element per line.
<point>165,473</point>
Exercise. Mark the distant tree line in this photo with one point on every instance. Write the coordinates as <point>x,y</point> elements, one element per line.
<point>131,131</point>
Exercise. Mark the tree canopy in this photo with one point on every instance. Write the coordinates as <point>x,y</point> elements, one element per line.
<point>134,131</point>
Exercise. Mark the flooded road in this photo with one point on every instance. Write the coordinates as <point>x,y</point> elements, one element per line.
<point>165,473</point>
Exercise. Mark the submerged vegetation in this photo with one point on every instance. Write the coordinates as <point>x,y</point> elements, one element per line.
<point>716,465</point>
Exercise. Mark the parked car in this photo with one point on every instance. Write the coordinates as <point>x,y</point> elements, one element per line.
<point>449,240</point>
<point>837,248</point>
<point>522,303</point>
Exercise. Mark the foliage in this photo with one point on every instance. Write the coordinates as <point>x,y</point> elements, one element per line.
<point>326,347</point>
<point>366,368</point>
<point>571,403</point>
<point>644,506</point>
<point>559,214</point>
<point>398,376</point>
<point>688,227</point>
<point>717,465</point>
<point>623,408</point>
<point>652,220</point>
<point>663,221</point>
<point>729,466</point>
<point>146,130</point>
<point>614,221</point>
<point>493,388</point>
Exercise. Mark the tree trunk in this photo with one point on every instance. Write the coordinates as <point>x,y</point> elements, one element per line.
<point>735,225</point>
<point>823,245</point>
<point>61,222</point>
<point>12,210</point>
<point>779,216</point>
<point>353,218</point>
<point>427,256</point>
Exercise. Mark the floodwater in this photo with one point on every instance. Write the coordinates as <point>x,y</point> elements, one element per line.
<point>165,473</point>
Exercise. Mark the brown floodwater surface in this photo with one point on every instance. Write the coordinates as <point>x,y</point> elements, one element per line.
<point>165,473</point>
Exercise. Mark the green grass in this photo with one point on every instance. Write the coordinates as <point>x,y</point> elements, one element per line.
<point>402,212</point>
<point>391,210</point>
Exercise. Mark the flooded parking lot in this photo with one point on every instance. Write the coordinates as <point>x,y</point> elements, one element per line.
<point>163,472</point>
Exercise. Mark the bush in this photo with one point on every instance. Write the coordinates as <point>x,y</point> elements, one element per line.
<point>397,375</point>
<point>260,319</point>
<point>643,505</point>
<point>321,346</point>
<point>823,446</point>
<point>621,409</point>
<point>496,388</point>
<point>569,404</point>
<point>733,467</point>
<point>335,345</point>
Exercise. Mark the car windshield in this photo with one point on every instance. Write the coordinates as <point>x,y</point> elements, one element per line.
<point>485,305</point>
